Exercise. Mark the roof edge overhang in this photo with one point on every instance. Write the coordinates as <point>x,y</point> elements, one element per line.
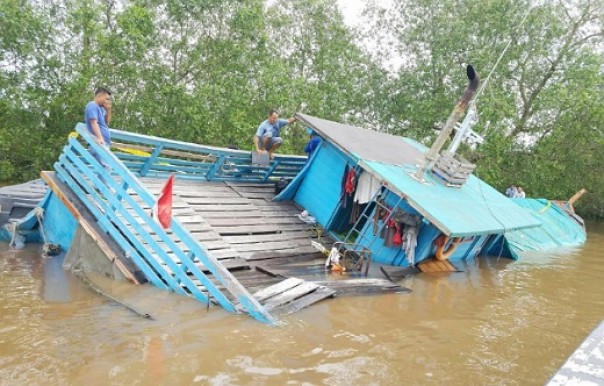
<point>300,117</point>
<point>438,224</point>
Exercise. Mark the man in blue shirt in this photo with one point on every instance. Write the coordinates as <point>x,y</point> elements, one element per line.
<point>313,142</point>
<point>268,134</point>
<point>97,116</point>
<point>511,192</point>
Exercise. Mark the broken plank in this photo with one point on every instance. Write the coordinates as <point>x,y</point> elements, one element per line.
<point>276,289</point>
<point>279,254</point>
<point>246,229</point>
<point>230,264</point>
<point>225,222</point>
<point>359,282</point>
<point>290,295</point>
<point>272,246</point>
<point>210,215</point>
<point>305,301</point>
<point>362,286</point>
<point>224,253</point>
<point>266,196</point>
<point>223,200</point>
<point>199,208</point>
<point>317,271</point>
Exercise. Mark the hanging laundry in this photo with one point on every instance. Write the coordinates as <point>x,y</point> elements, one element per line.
<point>350,182</point>
<point>397,239</point>
<point>376,219</point>
<point>367,187</point>
<point>389,229</point>
<point>354,213</point>
<point>343,186</point>
<point>410,242</point>
<point>409,234</point>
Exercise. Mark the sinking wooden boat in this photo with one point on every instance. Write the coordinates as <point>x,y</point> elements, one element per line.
<point>16,202</point>
<point>377,201</point>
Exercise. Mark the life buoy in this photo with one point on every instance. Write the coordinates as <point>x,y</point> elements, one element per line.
<point>440,242</point>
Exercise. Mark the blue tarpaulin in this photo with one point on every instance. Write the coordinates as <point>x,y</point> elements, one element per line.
<point>557,229</point>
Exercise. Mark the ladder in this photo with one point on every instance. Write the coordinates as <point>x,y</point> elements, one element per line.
<point>361,234</point>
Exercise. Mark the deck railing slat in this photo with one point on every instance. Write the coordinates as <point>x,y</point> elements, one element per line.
<point>81,171</point>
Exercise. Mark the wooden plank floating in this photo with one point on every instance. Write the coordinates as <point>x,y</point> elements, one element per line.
<point>291,295</point>
<point>319,294</point>
<point>277,288</point>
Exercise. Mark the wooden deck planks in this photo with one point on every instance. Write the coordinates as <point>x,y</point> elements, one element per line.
<point>277,288</point>
<point>433,265</point>
<point>290,295</point>
<point>283,236</point>
<point>240,225</point>
<point>278,254</point>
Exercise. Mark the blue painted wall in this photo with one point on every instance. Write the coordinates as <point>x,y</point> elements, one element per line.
<point>59,223</point>
<point>319,192</point>
<point>469,247</point>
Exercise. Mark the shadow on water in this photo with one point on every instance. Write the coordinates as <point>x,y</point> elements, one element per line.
<point>497,322</point>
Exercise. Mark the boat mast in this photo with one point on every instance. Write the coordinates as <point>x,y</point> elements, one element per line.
<point>432,155</point>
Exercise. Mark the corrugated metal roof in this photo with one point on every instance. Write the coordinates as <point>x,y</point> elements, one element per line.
<point>474,209</point>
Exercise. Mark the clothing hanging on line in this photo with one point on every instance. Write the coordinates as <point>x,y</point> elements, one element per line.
<point>348,185</point>
<point>367,187</point>
<point>343,186</point>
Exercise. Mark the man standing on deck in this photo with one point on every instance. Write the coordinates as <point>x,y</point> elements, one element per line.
<point>268,134</point>
<point>97,116</point>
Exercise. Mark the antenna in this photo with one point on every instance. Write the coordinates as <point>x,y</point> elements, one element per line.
<point>486,80</point>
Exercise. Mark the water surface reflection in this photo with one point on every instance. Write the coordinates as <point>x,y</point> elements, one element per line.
<point>497,322</point>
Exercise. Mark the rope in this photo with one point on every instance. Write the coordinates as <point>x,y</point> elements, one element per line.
<point>48,249</point>
<point>39,213</point>
<point>486,80</point>
<point>545,208</point>
<point>12,227</point>
<point>96,289</point>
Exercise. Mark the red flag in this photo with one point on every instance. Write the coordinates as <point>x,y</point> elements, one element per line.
<point>162,210</point>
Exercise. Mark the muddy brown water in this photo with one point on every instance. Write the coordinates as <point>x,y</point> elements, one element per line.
<point>498,322</point>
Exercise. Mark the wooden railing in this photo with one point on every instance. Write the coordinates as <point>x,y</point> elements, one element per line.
<point>159,157</point>
<point>120,204</point>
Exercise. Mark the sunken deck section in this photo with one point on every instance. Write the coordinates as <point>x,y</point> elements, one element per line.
<point>229,243</point>
<point>262,243</point>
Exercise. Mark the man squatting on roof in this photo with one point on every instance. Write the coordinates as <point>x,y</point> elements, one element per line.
<point>267,136</point>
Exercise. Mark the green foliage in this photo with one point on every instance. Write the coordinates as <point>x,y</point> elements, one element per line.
<point>542,110</point>
<point>208,72</point>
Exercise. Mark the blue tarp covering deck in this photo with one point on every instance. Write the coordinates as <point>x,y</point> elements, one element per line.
<point>558,229</point>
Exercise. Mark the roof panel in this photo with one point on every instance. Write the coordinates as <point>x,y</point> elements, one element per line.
<point>475,208</point>
<point>365,144</point>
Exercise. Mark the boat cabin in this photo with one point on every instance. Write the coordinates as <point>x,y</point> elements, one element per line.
<point>361,185</point>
